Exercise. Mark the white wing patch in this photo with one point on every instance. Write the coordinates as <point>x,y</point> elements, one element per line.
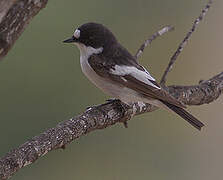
<point>143,76</point>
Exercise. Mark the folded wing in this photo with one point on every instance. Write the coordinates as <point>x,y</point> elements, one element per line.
<point>133,77</point>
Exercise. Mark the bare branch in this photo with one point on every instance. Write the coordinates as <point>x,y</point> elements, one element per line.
<point>151,38</point>
<point>14,17</point>
<point>184,42</point>
<point>203,93</point>
<point>100,117</point>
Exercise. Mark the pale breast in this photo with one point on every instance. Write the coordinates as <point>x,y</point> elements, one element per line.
<point>111,88</point>
<point>100,82</point>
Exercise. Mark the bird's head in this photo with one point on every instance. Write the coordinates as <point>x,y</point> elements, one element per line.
<point>92,35</point>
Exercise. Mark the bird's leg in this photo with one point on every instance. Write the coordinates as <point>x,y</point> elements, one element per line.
<point>108,101</point>
<point>112,100</point>
<point>123,107</point>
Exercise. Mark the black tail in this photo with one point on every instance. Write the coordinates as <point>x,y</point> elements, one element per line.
<point>185,115</point>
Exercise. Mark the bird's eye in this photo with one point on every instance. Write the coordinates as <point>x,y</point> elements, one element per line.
<point>77,33</point>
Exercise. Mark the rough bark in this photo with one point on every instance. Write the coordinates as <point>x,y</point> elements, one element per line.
<point>15,15</point>
<point>100,117</point>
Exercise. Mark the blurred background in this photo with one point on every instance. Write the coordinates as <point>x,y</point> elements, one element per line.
<point>42,84</point>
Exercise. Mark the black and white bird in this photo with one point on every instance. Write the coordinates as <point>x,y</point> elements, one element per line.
<point>115,71</point>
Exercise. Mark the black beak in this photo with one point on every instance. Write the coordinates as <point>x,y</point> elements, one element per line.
<point>70,40</point>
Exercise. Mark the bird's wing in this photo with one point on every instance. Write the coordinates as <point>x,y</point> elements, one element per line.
<point>133,77</point>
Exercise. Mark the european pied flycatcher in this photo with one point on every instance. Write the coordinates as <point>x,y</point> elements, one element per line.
<point>115,71</point>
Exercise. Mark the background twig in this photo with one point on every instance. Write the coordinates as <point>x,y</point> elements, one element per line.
<point>151,38</point>
<point>184,42</point>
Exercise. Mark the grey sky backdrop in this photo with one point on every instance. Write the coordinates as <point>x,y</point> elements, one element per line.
<point>42,84</point>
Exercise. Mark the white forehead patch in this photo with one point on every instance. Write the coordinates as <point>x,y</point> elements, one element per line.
<point>77,33</point>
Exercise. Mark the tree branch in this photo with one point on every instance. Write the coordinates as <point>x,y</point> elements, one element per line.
<point>100,117</point>
<point>15,15</point>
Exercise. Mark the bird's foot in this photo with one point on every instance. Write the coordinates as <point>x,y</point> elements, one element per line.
<point>108,101</point>
<point>124,108</point>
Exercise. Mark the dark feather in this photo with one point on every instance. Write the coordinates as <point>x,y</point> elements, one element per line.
<point>185,115</point>
<point>103,64</point>
<point>103,68</point>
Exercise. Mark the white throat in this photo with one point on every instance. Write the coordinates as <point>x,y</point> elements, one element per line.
<point>87,51</point>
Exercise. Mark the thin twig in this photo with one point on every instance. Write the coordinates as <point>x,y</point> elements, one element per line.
<point>184,42</point>
<point>151,38</point>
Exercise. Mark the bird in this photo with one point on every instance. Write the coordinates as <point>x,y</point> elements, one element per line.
<point>110,67</point>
